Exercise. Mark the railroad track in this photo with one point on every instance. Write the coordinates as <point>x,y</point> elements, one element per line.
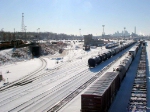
<point>53,75</point>
<point>39,76</point>
<point>25,78</point>
<point>47,102</point>
<point>75,80</point>
<point>32,76</point>
<point>37,85</point>
<point>72,95</point>
<point>55,92</point>
<point>33,87</point>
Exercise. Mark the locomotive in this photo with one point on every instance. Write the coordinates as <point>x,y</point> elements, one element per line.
<point>99,96</point>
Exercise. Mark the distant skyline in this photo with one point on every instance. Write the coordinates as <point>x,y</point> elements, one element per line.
<point>69,16</point>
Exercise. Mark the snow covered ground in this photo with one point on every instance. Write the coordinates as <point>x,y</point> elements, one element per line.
<point>121,101</point>
<point>15,70</point>
<point>75,104</point>
<point>69,65</point>
<point>64,67</point>
<point>18,70</point>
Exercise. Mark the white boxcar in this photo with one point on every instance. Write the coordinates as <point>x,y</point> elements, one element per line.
<point>133,51</point>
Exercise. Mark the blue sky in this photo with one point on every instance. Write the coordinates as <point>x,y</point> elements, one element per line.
<point>68,16</point>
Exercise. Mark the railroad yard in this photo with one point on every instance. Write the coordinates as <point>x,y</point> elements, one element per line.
<point>57,82</point>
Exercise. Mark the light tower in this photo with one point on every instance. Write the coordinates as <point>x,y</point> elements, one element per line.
<point>103,30</point>
<point>22,24</point>
<point>80,32</point>
<point>124,32</point>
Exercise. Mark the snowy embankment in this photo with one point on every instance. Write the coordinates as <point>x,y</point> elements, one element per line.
<point>14,70</point>
<point>52,85</point>
<point>18,70</point>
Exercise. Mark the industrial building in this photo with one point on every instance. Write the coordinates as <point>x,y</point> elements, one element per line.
<point>88,40</point>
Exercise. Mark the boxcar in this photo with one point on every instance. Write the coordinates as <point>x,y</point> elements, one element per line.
<point>132,51</point>
<point>100,95</point>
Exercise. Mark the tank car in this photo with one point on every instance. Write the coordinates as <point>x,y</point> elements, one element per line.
<point>104,57</point>
<point>92,62</point>
<point>112,52</point>
<point>108,54</point>
<point>116,49</point>
<point>123,47</point>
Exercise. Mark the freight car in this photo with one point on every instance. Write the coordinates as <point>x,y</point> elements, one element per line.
<point>121,70</point>
<point>7,44</point>
<point>101,93</point>
<point>124,65</point>
<point>4,45</point>
<point>133,51</point>
<point>108,54</point>
<point>113,52</point>
<point>126,62</point>
<point>96,60</point>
